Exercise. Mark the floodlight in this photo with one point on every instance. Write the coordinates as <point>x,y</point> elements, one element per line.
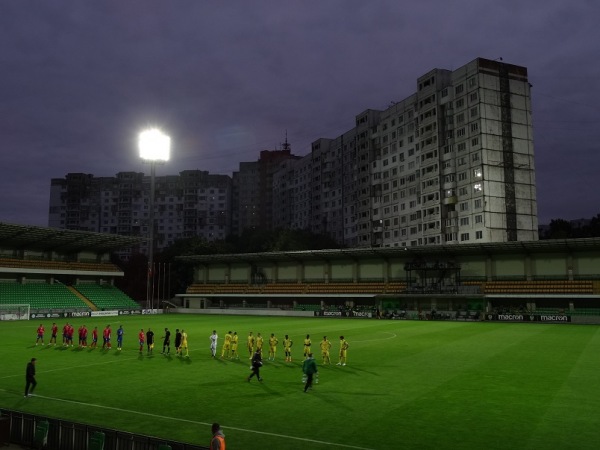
<point>154,145</point>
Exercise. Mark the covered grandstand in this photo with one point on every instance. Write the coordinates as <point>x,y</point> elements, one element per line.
<point>61,272</point>
<point>553,280</point>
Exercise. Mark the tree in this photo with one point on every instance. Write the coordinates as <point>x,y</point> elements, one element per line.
<point>560,229</point>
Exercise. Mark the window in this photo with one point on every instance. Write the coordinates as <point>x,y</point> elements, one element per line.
<point>473,96</point>
<point>464,237</point>
<point>472,82</point>
<point>475,127</point>
<point>477,187</point>
<point>464,206</point>
<point>475,142</point>
<point>475,157</point>
<point>479,235</point>
<point>464,221</point>
<point>458,89</point>
<point>479,218</point>
<point>460,132</point>
<point>478,203</point>
<point>477,173</point>
<point>474,111</point>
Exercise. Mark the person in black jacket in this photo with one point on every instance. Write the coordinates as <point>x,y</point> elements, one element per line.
<point>30,378</point>
<point>256,363</point>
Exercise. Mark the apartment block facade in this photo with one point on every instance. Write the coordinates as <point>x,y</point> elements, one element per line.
<point>452,163</point>
<point>193,203</point>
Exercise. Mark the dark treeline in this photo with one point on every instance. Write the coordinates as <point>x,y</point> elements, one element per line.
<point>565,229</point>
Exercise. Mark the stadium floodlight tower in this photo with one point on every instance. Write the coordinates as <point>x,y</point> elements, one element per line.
<point>155,148</point>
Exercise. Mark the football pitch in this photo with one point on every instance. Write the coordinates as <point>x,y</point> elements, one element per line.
<point>407,384</point>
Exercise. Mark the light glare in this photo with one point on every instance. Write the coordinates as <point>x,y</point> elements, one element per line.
<point>154,145</point>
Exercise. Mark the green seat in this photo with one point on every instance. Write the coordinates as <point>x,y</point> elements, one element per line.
<point>40,438</point>
<point>96,441</point>
<point>164,447</point>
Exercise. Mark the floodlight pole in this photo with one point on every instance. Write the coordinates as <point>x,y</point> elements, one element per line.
<point>150,275</point>
<point>154,147</point>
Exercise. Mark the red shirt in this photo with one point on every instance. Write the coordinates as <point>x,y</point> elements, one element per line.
<point>84,332</point>
<point>95,334</point>
<point>106,333</point>
<point>142,336</point>
<point>54,329</point>
<point>41,329</point>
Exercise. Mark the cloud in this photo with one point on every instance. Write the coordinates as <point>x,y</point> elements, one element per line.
<point>228,79</point>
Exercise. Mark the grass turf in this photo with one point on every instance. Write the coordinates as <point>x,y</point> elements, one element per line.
<point>408,384</point>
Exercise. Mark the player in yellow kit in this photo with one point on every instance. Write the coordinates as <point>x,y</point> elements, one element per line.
<point>343,351</point>
<point>273,341</point>
<point>325,347</point>
<point>250,344</point>
<point>259,342</point>
<point>184,344</point>
<point>225,352</point>
<point>287,347</point>
<point>234,345</point>
<point>307,344</point>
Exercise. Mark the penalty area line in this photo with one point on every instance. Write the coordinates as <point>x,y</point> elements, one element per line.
<point>393,336</point>
<point>178,419</point>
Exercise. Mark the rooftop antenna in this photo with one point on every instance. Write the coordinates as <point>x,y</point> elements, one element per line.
<point>286,145</point>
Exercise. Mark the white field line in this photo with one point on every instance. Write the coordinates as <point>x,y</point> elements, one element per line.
<point>393,336</point>
<point>178,419</point>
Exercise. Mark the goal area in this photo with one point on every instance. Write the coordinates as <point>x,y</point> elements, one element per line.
<point>14,311</point>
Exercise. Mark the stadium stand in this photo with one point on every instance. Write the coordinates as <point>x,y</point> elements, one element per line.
<point>539,287</point>
<point>106,297</point>
<point>40,296</point>
<point>57,265</point>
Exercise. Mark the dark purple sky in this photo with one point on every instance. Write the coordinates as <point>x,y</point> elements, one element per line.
<point>80,79</point>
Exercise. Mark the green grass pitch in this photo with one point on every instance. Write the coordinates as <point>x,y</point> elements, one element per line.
<point>408,384</point>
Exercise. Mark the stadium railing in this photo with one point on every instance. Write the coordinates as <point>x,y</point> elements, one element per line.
<point>65,435</point>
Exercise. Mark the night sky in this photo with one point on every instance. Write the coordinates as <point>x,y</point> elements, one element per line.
<point>227,79</point>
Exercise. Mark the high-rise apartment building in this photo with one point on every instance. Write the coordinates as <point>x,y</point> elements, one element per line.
<point>193,203</point>
<point>252,202</point>
<point>451,163</point>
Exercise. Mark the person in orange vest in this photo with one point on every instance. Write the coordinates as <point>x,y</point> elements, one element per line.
<point>218,438</point>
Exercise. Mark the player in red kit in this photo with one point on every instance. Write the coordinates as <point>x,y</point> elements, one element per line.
<point>70,332</point>
<point>94,338</point>
<point>40,334</point>
<point>106,336</point>
<point>54,333</point>
<point>84,333</point>
<point>66,334</point>
<point>142,338</point>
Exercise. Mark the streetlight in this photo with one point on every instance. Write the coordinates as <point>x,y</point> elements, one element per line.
<point>154,147</point>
